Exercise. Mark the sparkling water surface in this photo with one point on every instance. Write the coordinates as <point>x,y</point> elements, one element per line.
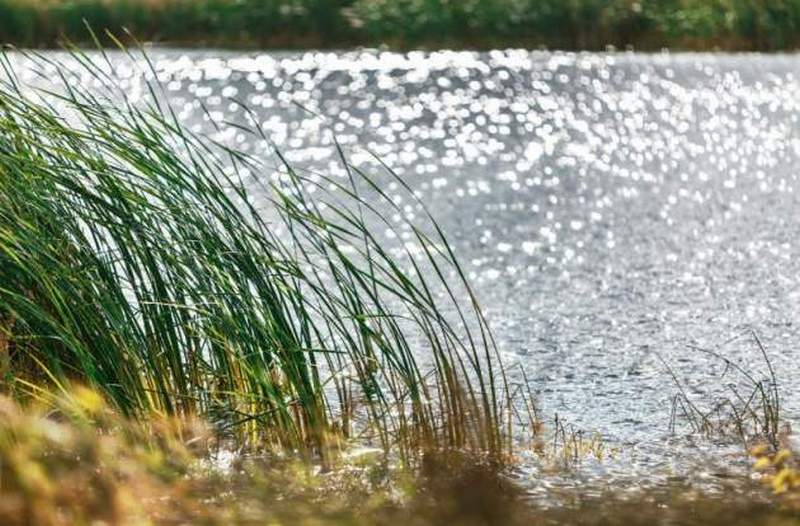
<point>611,209</point>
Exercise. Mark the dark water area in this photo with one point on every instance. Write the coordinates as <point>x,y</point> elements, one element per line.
<point>612,210</point>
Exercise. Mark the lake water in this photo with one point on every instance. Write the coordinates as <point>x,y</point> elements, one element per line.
<point>611,209</point>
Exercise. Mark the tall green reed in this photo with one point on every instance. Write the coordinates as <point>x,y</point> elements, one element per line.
<point>134,257</point>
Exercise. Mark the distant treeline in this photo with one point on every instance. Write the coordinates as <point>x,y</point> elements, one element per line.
<point>566,24</point>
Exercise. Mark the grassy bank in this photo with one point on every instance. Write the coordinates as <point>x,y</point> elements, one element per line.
<point>576,24</point>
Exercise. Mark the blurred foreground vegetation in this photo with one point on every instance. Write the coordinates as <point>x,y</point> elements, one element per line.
<point>68,458</point>
<point>573,24</point>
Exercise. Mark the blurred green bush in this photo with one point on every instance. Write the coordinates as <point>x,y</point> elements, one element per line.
<point>569,24</point>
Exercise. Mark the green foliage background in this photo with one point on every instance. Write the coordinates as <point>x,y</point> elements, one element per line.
<point>569,24</point>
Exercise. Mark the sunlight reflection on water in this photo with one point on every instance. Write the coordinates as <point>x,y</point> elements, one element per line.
<point>608,207</point>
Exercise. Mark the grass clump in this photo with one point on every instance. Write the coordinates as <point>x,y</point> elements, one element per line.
<point>135,259</point>
<point>749,412</point>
